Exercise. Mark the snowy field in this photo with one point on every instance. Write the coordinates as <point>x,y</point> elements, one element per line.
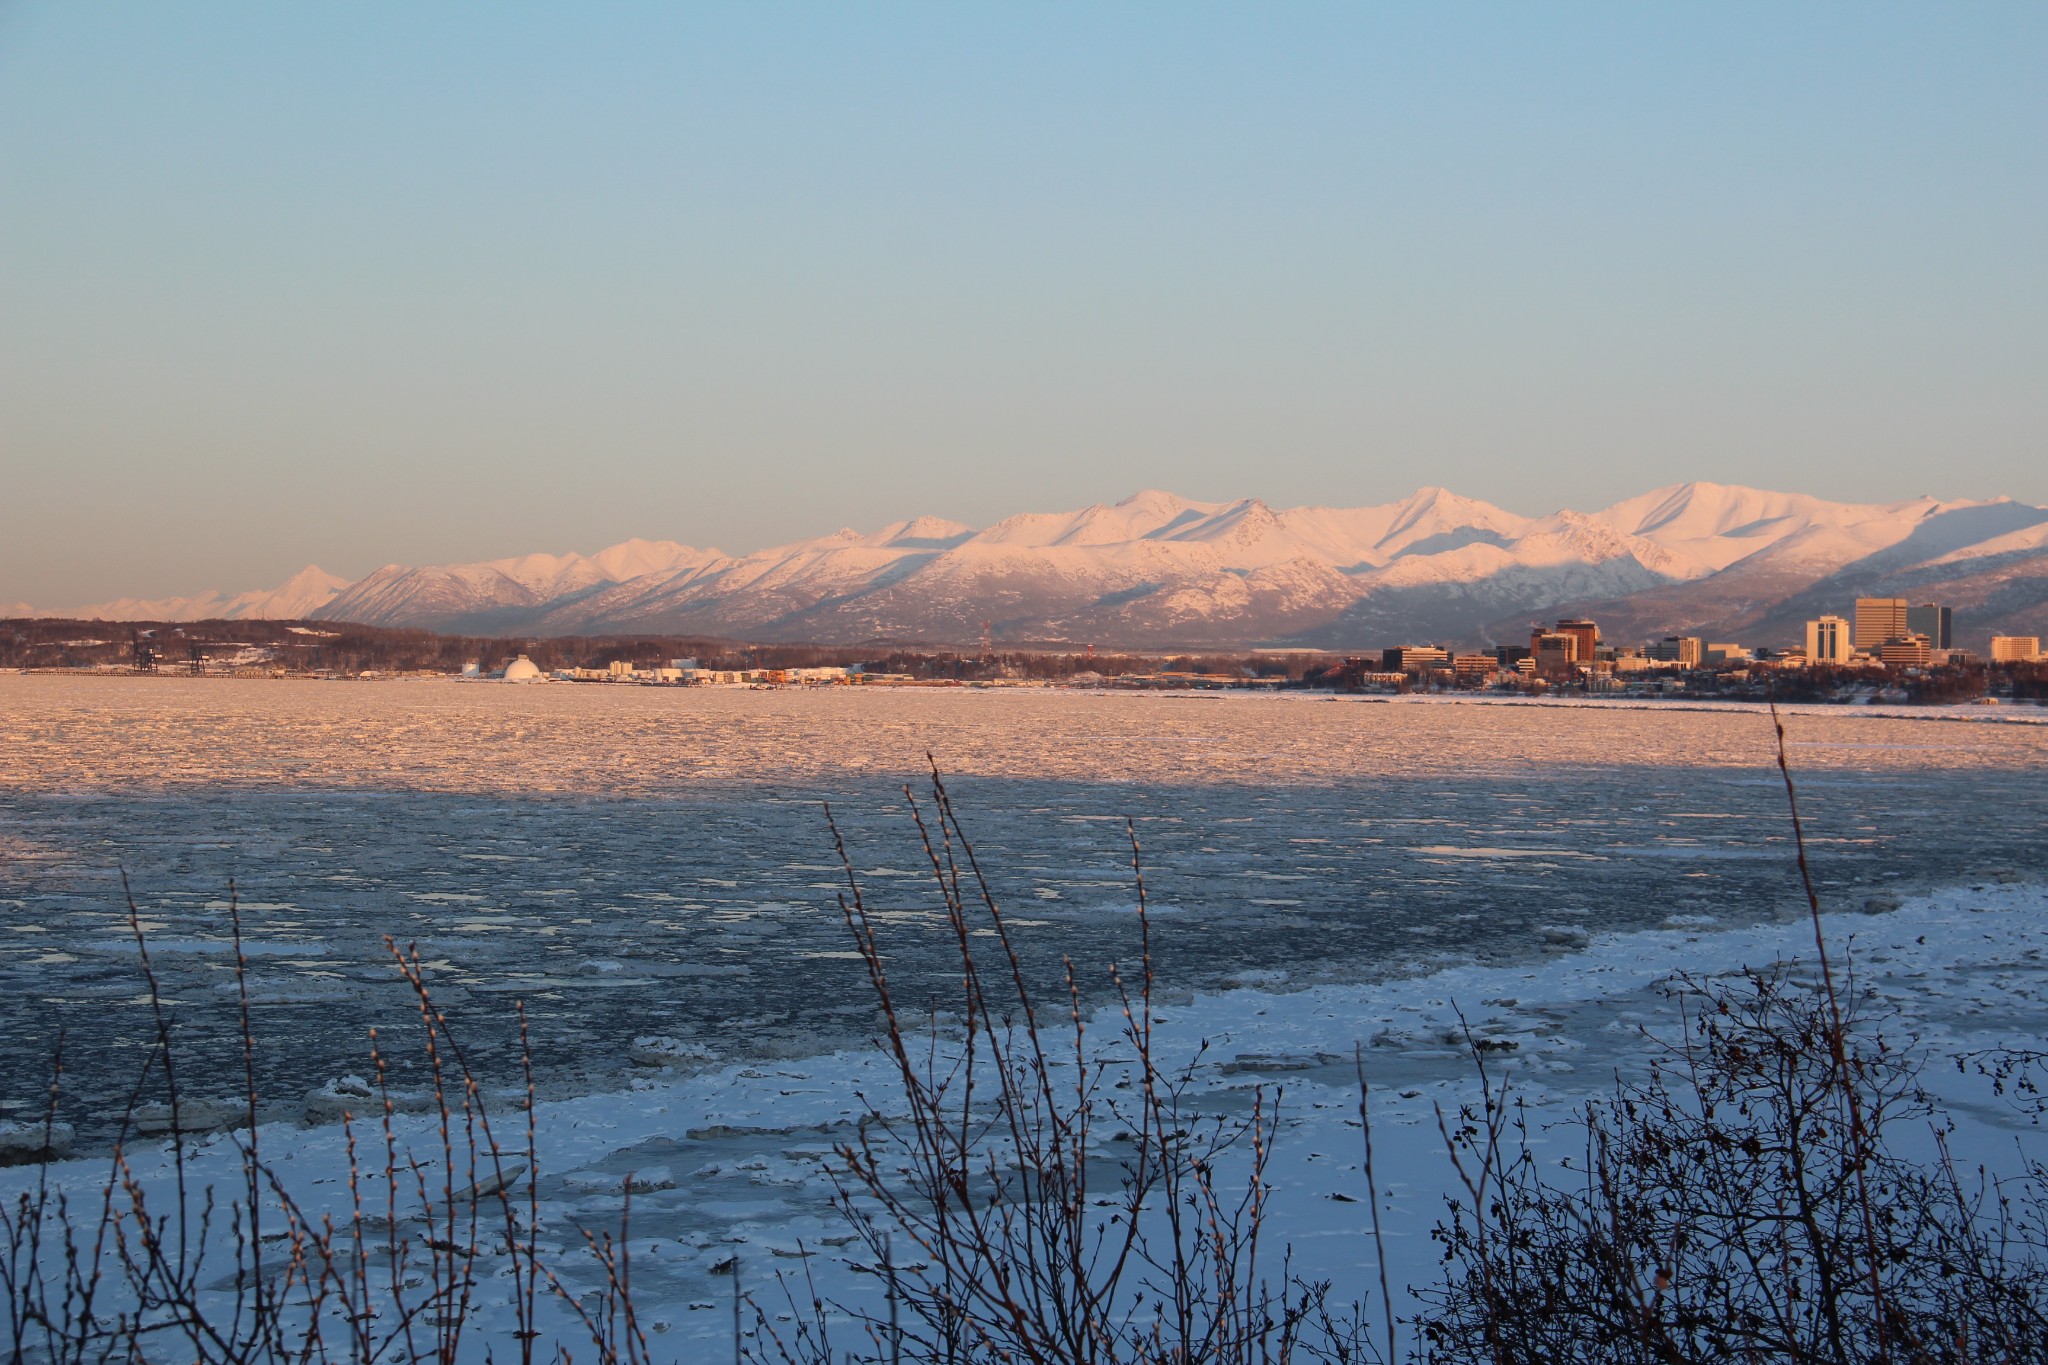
<point>640,861</point>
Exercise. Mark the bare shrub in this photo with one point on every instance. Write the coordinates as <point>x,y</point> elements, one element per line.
<point>236,1272</point>
<point>1032,1194</point>
<point>1747,1202</point>
<point>1717,1211</point>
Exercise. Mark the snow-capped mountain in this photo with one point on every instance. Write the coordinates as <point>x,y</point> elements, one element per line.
<point>1161,571</point>
<point>1777,560</point>
<point>501,593</point>
<point>297,598</point>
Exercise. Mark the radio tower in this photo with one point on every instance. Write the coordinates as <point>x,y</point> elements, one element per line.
<point>988,648</point>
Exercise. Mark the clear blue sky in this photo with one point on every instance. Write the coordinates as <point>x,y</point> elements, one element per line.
<point>368,282</point>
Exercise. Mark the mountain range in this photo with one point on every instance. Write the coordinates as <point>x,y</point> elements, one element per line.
<point>1161,571</point>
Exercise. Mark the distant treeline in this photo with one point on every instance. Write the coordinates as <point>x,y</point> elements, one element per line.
<point>339,647</point>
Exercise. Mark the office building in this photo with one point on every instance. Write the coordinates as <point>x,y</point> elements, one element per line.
<point>1413,658</point>
<point>1904,651</point>
<point>1828,641</point>
<point>1555,653</point>
<point>1929,620</point>
<point>1879,619</point>
<point>1585,633</point>
<point>2015,649</point>
<point>1684,650</point>
<point>1538,634</point>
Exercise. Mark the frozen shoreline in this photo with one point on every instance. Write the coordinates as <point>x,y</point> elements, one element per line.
<point>2002,713</point>
<point>731,1161</point>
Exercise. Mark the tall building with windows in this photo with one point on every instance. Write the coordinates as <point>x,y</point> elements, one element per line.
<point>1585,633</point>
<point>1929,620</point>
<point>1879,619</point>
<point>1555,653</point>
<point>2015,649</point>
<point>1828,641</point>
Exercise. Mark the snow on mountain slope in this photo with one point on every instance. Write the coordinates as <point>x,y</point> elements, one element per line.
<point>1987,559</point>
<point>2028,540</point>
<point>1715,527</point>
<point>295,599</point>
<point>298,597</point>
<point>445,597</point>
<point>1461,594</point>
<point>1160,570</point>
<point>1711,525</point>
<point>200,606</point>
<point>1149,513</point>
<point>631,559</point>
<point>922,533</point>
<point>502,594</point>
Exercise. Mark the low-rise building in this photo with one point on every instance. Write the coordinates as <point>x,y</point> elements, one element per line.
<point>1905,651</point>
<point>1412,658</point>
<point>2015,649</point>
<point>1683,650</point>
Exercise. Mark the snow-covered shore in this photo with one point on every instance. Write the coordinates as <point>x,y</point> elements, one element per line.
<point>731,1162</point>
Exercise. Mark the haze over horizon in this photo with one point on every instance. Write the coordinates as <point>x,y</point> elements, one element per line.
<point>383,284</point>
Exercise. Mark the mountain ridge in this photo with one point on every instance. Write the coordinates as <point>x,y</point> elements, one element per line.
<point>1157,570</point>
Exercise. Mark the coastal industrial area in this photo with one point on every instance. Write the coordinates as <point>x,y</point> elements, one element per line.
<point>1886,649</point>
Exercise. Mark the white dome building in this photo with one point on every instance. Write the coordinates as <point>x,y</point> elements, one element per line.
<point>523,669</point>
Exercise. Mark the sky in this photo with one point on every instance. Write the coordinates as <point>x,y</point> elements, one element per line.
<point>390,282</point>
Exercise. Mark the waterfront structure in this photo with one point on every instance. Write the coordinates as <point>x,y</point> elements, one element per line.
<point>1879,619</point>
<point>1931,620</point>
<point>1828,640</point>
<point>2015,649</point>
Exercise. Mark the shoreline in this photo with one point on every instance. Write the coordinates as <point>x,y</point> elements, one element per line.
<point>1988,710</point>
<point>730,1160</point>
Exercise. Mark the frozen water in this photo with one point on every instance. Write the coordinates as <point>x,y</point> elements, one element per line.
<point>651,872</point>
<point>634,862</point>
